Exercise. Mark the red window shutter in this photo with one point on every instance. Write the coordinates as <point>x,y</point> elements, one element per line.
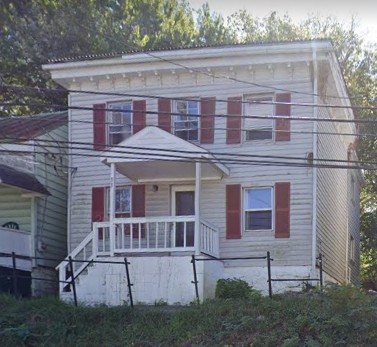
<point>138,200</point>
<point>164,114</point>
<point>138,208</point>
<point>233,121</point>
<point>207,120</point>
<point>282,209</point>
<point>233,211</point>
<point>98,207</point>
<point>139,115</point>
<point>99,127</point>
<point>283,126</point>
<point>98,204</point>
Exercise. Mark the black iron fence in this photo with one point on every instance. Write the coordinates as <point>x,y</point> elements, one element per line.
<point>71,278</point>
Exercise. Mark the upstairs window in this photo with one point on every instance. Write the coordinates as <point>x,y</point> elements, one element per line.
<point>258,209</point>
<point>259,128</point>
<point>186,120</point>
<point>120,122</point>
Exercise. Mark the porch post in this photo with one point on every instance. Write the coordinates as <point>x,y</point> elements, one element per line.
<point>112,208</point>
<point>198,178</point>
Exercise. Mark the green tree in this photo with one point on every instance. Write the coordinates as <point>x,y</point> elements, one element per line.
<point>33,31</point>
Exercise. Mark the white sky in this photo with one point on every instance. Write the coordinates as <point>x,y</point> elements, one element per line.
<point>364,10</point>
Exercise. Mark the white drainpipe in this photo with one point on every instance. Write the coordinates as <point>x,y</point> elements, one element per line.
<point>198,178</point>
<point>112,208</point>
<point>315,153</point>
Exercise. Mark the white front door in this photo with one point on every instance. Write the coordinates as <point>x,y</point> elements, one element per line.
<point>183,204</point>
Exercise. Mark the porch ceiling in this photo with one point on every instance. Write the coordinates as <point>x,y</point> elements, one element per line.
<point>153,155</point>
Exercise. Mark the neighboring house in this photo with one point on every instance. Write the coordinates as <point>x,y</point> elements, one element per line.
<point>33,200</point>
<point>169,166</point>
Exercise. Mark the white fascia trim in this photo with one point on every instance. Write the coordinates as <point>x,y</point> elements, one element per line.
<point>196,53</point>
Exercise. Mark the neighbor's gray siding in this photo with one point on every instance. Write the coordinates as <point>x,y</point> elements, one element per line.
<point>51,170</point>
<point>91,172</point>
<point>15,208</point>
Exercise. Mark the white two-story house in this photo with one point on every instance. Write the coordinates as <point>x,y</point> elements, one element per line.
<point>217,152</point>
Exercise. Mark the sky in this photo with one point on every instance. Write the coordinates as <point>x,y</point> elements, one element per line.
<point>365,11</point>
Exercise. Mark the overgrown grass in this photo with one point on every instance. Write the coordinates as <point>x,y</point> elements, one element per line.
<point>342,316</point>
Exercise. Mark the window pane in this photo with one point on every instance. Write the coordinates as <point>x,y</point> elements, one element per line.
<point>186,124</point>
<point>122,200</point>
<point>258,198</point>
<point>260,128</point>
<point>260,134</point>
<point>121,122</point>
<point>258,220</point>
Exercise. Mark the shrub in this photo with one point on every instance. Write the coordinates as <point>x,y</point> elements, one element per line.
<point>233,288</point>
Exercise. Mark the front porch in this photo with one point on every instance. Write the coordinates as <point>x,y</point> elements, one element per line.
<point>152,204</point>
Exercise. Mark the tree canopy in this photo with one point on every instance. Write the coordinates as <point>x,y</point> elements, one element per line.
<point>33,31</point>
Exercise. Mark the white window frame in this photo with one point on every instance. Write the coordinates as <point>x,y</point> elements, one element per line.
<point>249,99</point>
<point>175,119</point>
<point>107,202</point>
<point>244,210</point>
<point>110,121</point>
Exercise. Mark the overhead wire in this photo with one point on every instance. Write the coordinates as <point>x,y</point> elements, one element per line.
<point>307,119</point>
<point>221,157</point>
<point>150,96</point>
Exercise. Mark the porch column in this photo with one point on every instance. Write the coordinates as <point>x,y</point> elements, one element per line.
<point>112,208</point>
<point>198,178</point>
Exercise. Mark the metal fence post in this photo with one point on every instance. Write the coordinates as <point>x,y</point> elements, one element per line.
<point>269,274</point>
<point>14,274</point>
<point>195,281</point>
<point>73,280</point>
<point>320,271</point>
<point>129,284</point>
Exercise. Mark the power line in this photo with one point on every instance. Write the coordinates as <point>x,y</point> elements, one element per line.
<point>309,119</point>
<point>227,158</point>
<point>148,96</point>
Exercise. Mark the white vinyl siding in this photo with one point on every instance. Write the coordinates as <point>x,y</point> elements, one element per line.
<point>332,202</point>
<point>92,173</point>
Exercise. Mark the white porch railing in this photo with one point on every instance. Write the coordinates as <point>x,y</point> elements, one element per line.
<point>81,255</point>
<point>209,239</point>
<point>140,235</point>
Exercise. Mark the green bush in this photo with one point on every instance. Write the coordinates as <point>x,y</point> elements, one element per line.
<point>233,288</point>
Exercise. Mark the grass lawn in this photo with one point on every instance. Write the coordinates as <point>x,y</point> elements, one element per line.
<point>342,316</point>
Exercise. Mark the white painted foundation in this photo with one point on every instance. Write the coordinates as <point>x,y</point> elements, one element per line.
<point>169,279</point>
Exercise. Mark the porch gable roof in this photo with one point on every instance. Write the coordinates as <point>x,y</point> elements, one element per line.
<point>154,154</point>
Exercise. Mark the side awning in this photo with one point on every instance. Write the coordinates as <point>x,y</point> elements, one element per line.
<point>22,180</point>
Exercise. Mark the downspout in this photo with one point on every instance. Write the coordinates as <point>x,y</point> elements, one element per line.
<point>315,154</point>
<point>70,177</point>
